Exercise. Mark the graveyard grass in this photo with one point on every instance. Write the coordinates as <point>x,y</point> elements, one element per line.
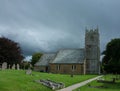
<point>17,80</point>
<point>109,86</point>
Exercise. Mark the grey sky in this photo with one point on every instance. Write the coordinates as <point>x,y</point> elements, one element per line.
<point>50,25</point>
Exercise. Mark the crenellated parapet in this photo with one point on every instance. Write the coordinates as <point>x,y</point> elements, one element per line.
<point>91,31</point>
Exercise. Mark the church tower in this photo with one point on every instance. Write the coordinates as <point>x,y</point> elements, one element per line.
<point>92,48</point>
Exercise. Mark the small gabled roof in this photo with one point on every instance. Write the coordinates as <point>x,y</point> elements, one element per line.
<point>70,56</point>
<point>45,59</point>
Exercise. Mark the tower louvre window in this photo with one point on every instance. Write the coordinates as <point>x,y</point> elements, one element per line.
<point>92,38</point>
<point>89,46</point>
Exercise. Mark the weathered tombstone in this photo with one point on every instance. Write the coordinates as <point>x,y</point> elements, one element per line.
<point>52,84</point>
<point>13,67</point>
<point>18,67</point>
<point>9,66</point>
<point>29,72</point>
<point>107,81</point>
<point>4,65</point>
<point>31,66</point>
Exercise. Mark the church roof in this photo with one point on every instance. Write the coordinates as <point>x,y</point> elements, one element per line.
<point>45,59</point>
<point>70,56</point>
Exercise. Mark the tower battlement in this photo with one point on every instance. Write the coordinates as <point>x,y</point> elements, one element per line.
<point>94,31</point>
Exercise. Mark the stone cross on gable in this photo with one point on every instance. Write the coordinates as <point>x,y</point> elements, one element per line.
<point>4,65</point>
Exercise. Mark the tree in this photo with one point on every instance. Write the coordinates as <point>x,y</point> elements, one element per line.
<point>111,60</point>
<point>35,58</point>
<point>10,51</point>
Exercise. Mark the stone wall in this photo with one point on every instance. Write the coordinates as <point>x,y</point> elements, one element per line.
<point>67,68</point>
<point>40,68</point>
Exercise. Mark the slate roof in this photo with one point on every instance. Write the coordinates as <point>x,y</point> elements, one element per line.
<point>45,59</point>
<point>70,56</point>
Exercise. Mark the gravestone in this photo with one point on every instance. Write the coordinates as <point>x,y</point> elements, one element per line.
<point>9,66</point>
<point>18,67</point>
<point>13,67</point>
<point>29,71</point>
<point>107,81</point>
<point>31,66</point>
<point>89,85</point>
<point>51,84</point>
<point>4,65</point>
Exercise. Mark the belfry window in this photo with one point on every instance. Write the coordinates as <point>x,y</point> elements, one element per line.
<point>92,38</point>
<point>88,46</point>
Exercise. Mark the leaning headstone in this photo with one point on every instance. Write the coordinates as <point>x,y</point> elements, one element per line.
<point>13,67</point>
<point>51,84</point>
<point>18,67</point>
<point>29,72</point>
<point>4,65</point>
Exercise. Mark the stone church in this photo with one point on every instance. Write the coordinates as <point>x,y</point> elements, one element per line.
<point>74,61</point>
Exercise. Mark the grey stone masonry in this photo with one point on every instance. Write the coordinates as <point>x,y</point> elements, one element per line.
<point>92,46</point>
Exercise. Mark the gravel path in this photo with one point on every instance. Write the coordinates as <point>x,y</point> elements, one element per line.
<point>70,88</point>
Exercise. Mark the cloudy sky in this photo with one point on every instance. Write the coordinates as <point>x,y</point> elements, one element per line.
<point>50,25</point>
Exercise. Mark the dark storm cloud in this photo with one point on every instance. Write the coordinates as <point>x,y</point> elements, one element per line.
<point>50,25</point>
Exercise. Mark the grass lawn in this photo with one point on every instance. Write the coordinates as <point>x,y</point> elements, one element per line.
<point>109,87</point>
<point>14,80</point>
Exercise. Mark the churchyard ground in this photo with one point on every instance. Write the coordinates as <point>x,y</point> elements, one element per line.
<point>17,80</point>
<point>96,86</point>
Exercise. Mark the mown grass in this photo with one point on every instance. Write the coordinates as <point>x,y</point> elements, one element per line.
<point>14,80</point>
<point>108,86</point>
